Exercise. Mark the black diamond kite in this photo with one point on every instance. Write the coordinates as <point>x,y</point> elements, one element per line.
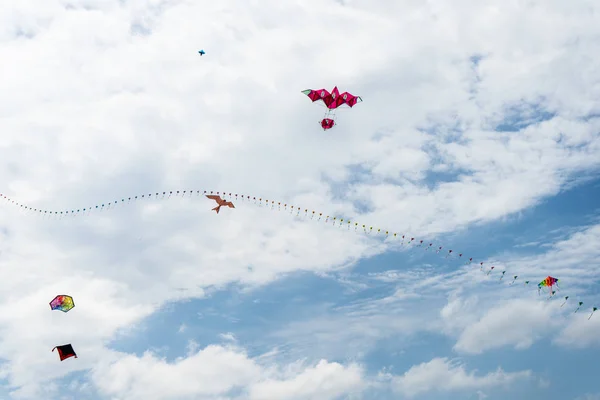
<point>65,351</point>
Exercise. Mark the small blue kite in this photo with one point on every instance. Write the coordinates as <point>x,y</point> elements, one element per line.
<point>202,52</point>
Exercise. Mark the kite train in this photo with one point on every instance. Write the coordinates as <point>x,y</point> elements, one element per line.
<point>220,198</point>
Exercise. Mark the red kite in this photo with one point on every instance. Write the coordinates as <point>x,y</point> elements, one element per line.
<point>220,202</point>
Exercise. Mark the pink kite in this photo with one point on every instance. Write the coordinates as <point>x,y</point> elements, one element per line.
<point>332,101</point>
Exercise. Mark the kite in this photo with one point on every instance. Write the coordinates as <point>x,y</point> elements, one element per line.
<point>593,311</point>
<point>503,272</point>
<point>62,302</point>
<point>220,202</point>
<point>65,351</point>
<point>549,282</point>
<point>514,279</point>
<point>332,101</point>
<point>202,52</point>
<point>578,307</point>
<point>566,298</point>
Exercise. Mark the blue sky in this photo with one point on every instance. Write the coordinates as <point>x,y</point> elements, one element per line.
<point>253,317</point>
<point>475,134</point>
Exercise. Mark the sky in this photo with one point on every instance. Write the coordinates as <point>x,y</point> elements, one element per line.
<point>479,132</point>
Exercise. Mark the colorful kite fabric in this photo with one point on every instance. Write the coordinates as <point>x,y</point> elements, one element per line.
<point>548,282</point>
<point>62,302</point>
<point>65,351</point>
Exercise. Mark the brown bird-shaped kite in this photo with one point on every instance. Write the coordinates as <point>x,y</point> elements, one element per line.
<point>220,202</point>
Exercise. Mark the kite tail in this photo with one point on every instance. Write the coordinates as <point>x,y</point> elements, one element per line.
<point>590,315</point>
<point>563,304</point>
<point>577,309</point>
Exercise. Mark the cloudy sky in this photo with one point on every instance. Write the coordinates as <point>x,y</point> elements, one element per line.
<point>479,132</point>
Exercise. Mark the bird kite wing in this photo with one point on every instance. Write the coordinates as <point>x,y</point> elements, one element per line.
<point>334,99</point>
<point>349,99</point>
<point>316,95</point>
<point>214,197</point>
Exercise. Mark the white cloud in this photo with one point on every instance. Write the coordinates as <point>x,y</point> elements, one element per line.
<point>228,336</point>
<point>544,383</point>
<point>579,332</point>
<point>217,372</point>
<point>441,374</point>
<point>459,313</point>
<point>323,381</point>
<point>210,372</point>
<point>518,323</point>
